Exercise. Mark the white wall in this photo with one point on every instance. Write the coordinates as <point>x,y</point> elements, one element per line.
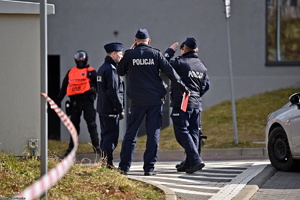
<point>19,77</point>
<point>19,82</point>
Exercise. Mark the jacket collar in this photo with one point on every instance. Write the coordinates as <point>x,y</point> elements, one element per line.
<point>109,60</point>
<point>85,66</point>
<point>190,55</point>
<point>143,44</point>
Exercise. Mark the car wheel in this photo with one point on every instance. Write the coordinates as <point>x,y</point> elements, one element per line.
<point>279,150</point>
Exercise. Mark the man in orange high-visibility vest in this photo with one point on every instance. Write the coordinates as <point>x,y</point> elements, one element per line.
<point>80,84</point>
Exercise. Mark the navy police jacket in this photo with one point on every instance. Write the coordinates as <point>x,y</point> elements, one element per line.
<point>110,88</point>
<point>143,65</point>
<point>193,74</point>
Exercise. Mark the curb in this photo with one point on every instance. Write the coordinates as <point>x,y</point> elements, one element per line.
<point>169,194</point>
<point>253,186</point>
<point>233,152</point>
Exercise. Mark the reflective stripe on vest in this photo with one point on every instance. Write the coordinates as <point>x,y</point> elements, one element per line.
<point>79,83</point>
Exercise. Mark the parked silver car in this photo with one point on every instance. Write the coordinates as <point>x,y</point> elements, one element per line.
<point>283,135</point>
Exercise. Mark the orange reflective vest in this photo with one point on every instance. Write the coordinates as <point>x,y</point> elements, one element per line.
<point>79,83</point>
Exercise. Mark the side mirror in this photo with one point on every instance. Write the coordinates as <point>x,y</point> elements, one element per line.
<point>295,98</point>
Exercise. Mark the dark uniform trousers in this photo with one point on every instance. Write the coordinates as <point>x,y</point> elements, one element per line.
<point>186,128</point>
<point>153,125</point>
<point>89,114</point>
<point>109,124</point>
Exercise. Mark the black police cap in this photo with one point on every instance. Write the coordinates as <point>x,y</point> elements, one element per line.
<point>142,33</point>
<point>114,46</point>
<point>191,43</point>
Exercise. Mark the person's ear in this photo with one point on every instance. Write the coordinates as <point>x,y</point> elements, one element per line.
<point>183,49</point>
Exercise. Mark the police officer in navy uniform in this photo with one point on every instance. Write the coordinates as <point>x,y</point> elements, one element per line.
<point>146,92</point>
<point>80,84</point>
<point>186,124</point>
<point>110,103</point>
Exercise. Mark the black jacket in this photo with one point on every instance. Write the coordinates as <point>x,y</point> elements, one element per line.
<point>143,65</point>
<point>193,74</point>
<point>110,88</point>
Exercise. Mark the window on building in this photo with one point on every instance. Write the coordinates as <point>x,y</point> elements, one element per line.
<point>283,32</point>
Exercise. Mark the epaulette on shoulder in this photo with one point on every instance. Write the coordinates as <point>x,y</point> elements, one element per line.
<point>178,57</point>
<point>128,50</point>
<point>156,49</point>
<point>153,48</point>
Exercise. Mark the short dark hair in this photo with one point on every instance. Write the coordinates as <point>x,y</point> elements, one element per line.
<point>188,49</point>
<point>182,45</point>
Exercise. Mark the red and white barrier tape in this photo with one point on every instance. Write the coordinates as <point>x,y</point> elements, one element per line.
<point>39,187</point>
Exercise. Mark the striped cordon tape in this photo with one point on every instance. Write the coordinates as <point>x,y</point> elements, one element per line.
<point>39,187</point>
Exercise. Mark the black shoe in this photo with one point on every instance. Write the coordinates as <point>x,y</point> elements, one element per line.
<point>180,164</point>
<point>122,171</point>
<point>111,166</point>
<point>183,168</point>
<point>195,168</point>
<point>149,173</point>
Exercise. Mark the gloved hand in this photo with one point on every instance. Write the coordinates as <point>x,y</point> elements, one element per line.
<point>188,93</point>
<point>186,90</point>
<point>121,115</point>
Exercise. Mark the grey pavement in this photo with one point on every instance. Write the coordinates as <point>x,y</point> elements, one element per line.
<point>281,186</point>
<point>267,185</point>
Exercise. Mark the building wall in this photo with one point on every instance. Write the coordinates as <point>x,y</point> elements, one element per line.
<point>19,82</point>
<point>90,24</point>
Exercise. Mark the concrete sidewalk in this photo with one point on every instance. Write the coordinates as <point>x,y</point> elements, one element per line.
<point>283,185</point>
